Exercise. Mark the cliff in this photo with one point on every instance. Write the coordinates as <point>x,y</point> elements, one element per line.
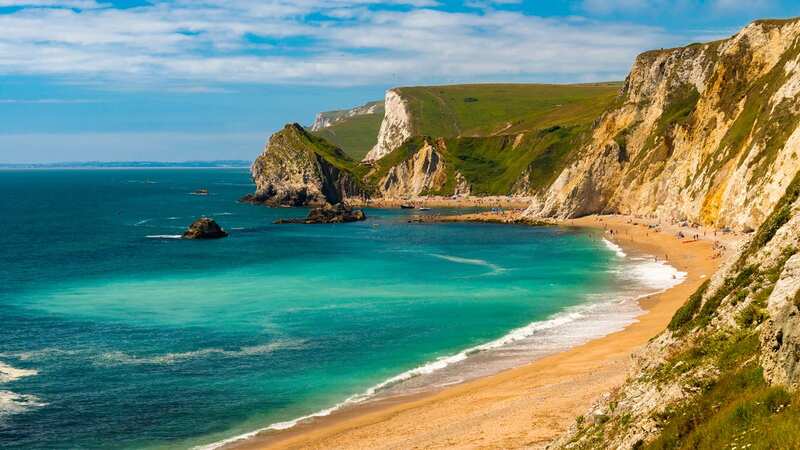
<point>714,130</point>
<point>298,169</point>
<point>706,133</point>
<point>328,119</point>
<point>395,128</point>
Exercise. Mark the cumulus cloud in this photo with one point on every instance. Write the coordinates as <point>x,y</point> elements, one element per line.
<point>334,42</point>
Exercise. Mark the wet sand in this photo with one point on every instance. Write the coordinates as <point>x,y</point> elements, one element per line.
<point>528,406</point>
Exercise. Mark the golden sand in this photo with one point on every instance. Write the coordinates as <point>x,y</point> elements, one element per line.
<point>525,407</point>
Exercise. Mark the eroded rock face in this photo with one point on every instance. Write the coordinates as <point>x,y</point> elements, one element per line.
<point>781,335</point>
<point>298,169</point>
<point>338,213</point>
<point>395,129</point>
<point>705,133</point>
<point>204,228</point>
<point>423,172</point>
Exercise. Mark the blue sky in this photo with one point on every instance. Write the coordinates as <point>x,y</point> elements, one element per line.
<point>211,79</point>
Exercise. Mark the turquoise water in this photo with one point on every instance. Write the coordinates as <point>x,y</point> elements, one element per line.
<point>131,341</point>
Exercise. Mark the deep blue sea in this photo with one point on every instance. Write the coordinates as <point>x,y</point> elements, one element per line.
<point>115,335</point>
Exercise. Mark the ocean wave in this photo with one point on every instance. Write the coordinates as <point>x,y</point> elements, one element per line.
<point>614,248</point>
<point>8,373</point>
<point>142,222</point>
<point>654,274</point>
<point>473,262</point>
<point>223,214</point>
<point>13,403</point>
<point>122,358</point>
<point>515,335</point>
<point>173,218</point>
<point>591,320</point>
<point>164,236</point>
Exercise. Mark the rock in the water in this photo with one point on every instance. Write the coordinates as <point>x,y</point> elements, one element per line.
<point>204,228</point>
<point>338,213</point>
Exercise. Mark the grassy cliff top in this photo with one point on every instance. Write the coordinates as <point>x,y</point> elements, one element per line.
<point>492,109</point>
<point>478,110</point>
<point>355,135</point>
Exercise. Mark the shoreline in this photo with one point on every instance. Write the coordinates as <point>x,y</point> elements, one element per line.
<point>498,201</point>
<point>565,383</point>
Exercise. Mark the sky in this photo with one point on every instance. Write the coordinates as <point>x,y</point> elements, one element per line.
<point>124,80</point>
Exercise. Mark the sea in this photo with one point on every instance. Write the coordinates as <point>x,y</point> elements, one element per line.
<point>116,333</point>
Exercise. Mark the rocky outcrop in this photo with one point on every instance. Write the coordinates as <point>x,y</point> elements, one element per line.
<point>204,228</point>
<point>396,127</point>
<point>706,133</point>
<point>330,118</point>
<point>338,213</point>
<point>745,319</point>
<point>299,169</point>
<point>423,172</point>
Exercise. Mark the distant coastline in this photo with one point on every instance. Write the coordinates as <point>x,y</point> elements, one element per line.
<point>232,163</point>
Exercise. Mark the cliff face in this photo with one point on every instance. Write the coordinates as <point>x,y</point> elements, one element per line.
<point>706,133</point>
<point>714,377</point>
<point>298,169</point>
<point>329,118</point>
<point>395,128</point>
<point>423,172</point>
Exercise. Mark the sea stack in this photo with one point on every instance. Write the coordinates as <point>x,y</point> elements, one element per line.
<point>204,228</point>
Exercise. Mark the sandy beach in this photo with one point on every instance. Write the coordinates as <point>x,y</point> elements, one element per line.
<point>528,406</point>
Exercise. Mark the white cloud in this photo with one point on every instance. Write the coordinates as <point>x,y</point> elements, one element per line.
<point>612,6</point>
<point>206,42</point>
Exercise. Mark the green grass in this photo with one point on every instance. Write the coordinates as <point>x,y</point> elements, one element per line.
<point>493,164</point>
<point>739,410</point>
<point>488,109</point>
<point>479,127</point>
<point>354,135</point>
<point>684,315</point>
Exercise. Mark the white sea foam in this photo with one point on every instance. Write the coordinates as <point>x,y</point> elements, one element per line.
<point>47,352</point>
<point>8,373</point>
<point>473,262</point>
<point>173,218</point>
<point>13,403</point>
<point>164,236</point>
<point>614,248</point>
<point>142,222</point>
<point>515,335</point>
<point>117,357</point>
<point>223,214</point>
<point>610,313</point>
<point>655,274</point>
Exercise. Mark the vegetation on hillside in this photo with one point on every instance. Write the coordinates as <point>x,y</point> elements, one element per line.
<point>490,109</point>
<point>355,135</point>
<point>497,136</point>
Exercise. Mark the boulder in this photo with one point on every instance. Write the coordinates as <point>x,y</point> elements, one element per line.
<point>204,228</point>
